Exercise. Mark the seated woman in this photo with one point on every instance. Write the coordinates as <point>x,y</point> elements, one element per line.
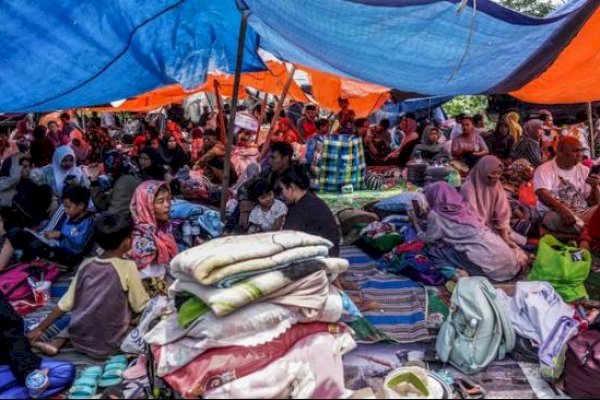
<point>30,203</point>
<point>459,237</point>
<point>117,198</point>
<point>63,166</point>
<point>172,154</point>
<point>81,148</point>
<point>150,165</point>
<point>518,185</point>
<point>431,145</point>
<point>67,245</point>
<point>469,147</point>
<point>285,132</point>
<point>402,154</point>
<point>308,213</point>
<point>501,143</point>
<point>529,146</point>
<point>153,244</point>
<point>484,192</point>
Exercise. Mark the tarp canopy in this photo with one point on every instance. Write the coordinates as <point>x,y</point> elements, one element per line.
<point>74,53</point>
<point>326,89</point>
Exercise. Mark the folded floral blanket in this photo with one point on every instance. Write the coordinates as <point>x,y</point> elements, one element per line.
<point>250,326</point>
<point>311,369</point>
<point>225,301</point>
<point>217,367</point>
<point>219,258</point>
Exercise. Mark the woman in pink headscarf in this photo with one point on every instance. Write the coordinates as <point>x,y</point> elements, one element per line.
<point>153,243</point>
<point>459,237</point>
<point>484,192</point>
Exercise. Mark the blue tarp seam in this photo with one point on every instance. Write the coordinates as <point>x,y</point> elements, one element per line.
<point>114,60</point>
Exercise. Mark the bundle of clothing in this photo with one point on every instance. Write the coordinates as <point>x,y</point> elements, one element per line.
<point>256,317</point>
<point>205,221</point>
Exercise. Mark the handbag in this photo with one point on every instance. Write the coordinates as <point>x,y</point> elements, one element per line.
<point>565,267</point>
<point>582,368</point>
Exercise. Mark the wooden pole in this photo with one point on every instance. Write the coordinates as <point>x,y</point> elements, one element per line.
<point>592,130</point>
<point>263,112</point>
<point>278,109</point>
<point>220,115</point>
<point>234,102</point>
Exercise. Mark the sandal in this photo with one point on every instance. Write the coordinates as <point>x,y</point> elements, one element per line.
<point>86,386</point>
<point>113,371</point>
<point>137,370</point>
<point>469,389</point>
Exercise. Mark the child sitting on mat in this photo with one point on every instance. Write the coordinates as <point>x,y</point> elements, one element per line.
<point>102,298</point>
<point>269,213</point>
<point>65,246</point>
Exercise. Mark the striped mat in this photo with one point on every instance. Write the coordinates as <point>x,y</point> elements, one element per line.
<point>402,303</point>
<point>67,353</point>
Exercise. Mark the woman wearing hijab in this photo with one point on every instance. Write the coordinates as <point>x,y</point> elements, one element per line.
<point>150,165</point>
<point>484,192</point>
<point>116,198</point>
<point>529,146</point>
<point>514,127</point>
<point>460,238</point>
<point>81,148</point>
<point>153,244</point>
<point>430,146</point>
<point>63,166</point>
<point>172,154</point>
<point>550,135</point>
<point>501,143</point>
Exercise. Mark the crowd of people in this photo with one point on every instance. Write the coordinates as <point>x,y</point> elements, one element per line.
<point>99,204</point>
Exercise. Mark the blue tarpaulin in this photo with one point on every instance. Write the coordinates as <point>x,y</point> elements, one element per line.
<point>67,53</point>
<point>72,53</point>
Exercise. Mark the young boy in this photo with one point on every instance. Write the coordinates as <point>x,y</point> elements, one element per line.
<point>65,246</point>
<point>269,214</point>
<point>102,297</point>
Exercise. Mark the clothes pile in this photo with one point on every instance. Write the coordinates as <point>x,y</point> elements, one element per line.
<point>204,223</point>
<point>256,317</point>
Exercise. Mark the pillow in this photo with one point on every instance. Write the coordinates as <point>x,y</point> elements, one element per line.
<point>402,202</point>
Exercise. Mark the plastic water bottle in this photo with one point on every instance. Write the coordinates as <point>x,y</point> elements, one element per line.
<point>195,229</point>
<point>187,232</point>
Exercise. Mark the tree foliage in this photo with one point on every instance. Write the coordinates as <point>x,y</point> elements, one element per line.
<point>466,104</point>
<point>536,8</point>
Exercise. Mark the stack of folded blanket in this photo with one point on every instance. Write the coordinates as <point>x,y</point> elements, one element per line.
<point>257,317</point>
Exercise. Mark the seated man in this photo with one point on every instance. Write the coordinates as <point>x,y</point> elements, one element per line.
<point>567,193</point>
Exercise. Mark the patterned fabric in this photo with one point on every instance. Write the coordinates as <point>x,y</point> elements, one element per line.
<point>401,310</point>
<point>153,243</point>
<point>339,161</point>
<point>225,301</point>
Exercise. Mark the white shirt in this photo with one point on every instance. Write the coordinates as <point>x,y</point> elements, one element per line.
<point>567,186</point>
<point>266,219</point>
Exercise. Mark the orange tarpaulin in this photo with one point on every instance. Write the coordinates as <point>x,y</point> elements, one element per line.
<point>270,81</point>
<point>327,88</point>
<point>364,98</point>
<point>573,77</point>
